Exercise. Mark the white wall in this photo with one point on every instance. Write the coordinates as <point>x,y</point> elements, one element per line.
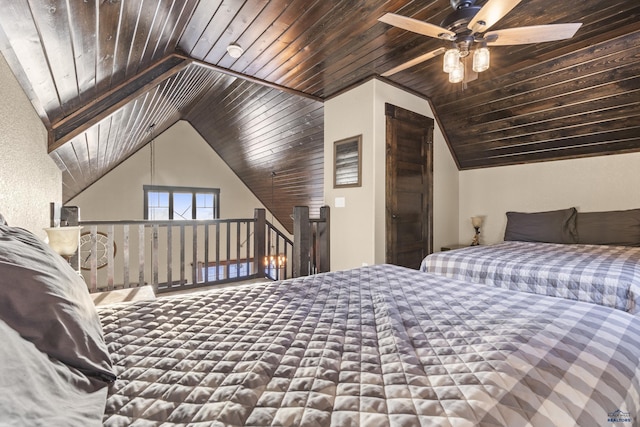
<point>29,179</point>
<point>182,158</point>
<point>589,184</point>
<point>358,229</point>
<point>352,227</point>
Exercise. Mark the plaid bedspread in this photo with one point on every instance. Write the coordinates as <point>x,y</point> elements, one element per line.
<point>374,346</point>
<point>606,275</point>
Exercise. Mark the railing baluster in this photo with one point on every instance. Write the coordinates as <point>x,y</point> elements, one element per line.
<point>206,253</point>
<point>194,259</point>
<point>314,246</point>
<point>169,257</point>
<point>259,230</point>
<point>155,256</point>
<point>288,250</point>
<point>110,256</point>
<point>227,266</point>
<point>217,251</point>
<point>238,240</point>
<point>248,250</point>
<point>277,257</point>
<point>182,279</point>
<point>141,250</point>
<point>125,254</point>
<point>269,244</point>
<point>93,260</point>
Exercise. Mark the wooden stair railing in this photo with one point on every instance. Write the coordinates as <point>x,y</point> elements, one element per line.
<point>310,242</point>
<point>176,255</point>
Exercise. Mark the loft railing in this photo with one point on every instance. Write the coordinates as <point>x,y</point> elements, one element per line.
<point>177,255</point>
<point>310,242</point>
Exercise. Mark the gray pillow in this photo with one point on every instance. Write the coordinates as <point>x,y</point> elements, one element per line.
<point>47,303</point>
<point>548,227</point>
<point>620,228</point>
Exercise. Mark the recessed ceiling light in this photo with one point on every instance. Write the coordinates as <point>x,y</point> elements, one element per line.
<point>235,50</point>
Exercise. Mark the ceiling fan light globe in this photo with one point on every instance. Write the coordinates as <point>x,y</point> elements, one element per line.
<point>457,74</point>
<point>451,60</point>
<point>481,58</point>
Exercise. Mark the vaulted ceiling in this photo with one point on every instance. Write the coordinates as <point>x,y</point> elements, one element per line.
<point>106,76</point>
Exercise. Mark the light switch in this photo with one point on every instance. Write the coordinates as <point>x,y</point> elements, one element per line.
<point>340,202</point>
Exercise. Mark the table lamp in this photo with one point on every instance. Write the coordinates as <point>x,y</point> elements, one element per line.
<point>476,221</point>
<point>64,240</point>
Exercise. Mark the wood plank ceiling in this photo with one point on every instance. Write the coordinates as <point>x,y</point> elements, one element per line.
<point>101,72</point>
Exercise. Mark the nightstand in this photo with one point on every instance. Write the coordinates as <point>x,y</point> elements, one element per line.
<point>452,247</point>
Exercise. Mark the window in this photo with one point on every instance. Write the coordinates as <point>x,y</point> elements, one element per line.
<point>181,203</point>
<point>347,162</point>
<point>219,272</point>
<point>214,272</point>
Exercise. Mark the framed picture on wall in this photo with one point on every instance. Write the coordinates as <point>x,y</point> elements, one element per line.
<point>347,162</point>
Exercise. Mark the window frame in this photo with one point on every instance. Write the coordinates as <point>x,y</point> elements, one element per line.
<point>343,176</point>
<point>174,189</point>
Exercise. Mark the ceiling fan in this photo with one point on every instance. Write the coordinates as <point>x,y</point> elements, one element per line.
<point>467,25</point>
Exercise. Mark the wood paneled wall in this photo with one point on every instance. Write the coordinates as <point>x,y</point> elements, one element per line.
<point>258,130</point>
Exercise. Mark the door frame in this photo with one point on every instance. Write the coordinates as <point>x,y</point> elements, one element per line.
<point>393,113</point>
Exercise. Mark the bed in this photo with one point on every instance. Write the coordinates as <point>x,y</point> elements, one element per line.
<point>373,346</point>
<point>607,275</point>
<point>591,256</point>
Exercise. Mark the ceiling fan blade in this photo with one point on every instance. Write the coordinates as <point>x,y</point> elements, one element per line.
<point>417,26</point>
<point>491,12</point>
<point>533,34</point>
<point>414,61</point>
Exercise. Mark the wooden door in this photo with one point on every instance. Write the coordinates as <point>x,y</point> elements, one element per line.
<point>409,187</point>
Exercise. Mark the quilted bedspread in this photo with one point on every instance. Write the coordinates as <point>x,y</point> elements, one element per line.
<point>606,275</point>
<point>374,346</point>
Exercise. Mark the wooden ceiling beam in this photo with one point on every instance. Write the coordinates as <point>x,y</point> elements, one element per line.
<point>92,113</point>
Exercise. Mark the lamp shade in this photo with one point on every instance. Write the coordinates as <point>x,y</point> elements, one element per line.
<point>450,60</point>
<point>481,59</point>
<point>476,221</point>
<point>64,240</point>
<point>457,74</point>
